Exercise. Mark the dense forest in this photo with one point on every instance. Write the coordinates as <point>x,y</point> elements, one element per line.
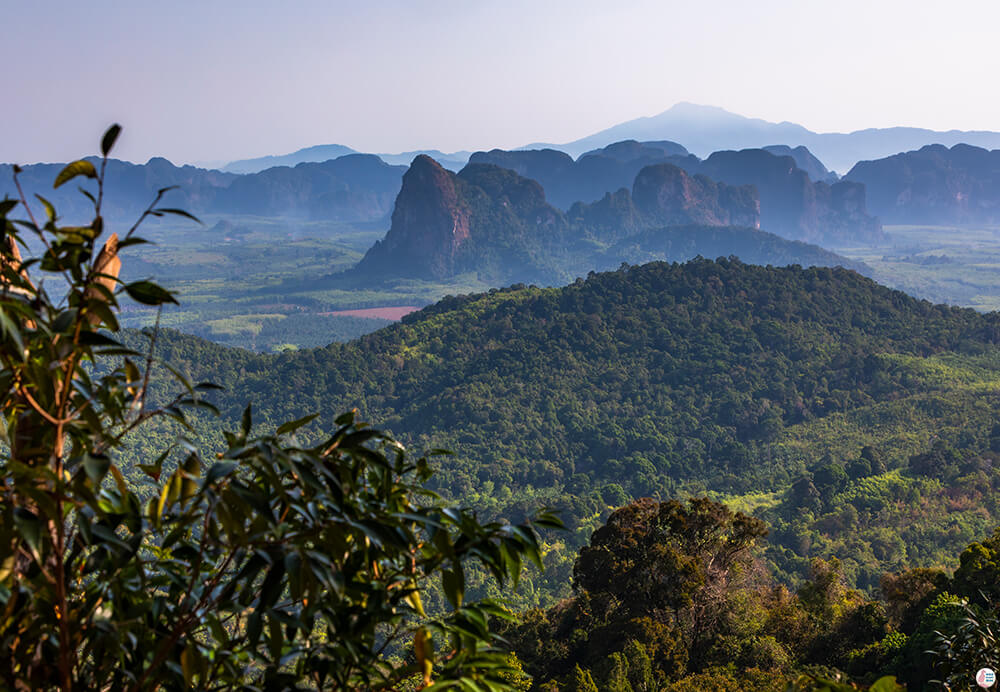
<point>673,596</point>
<point>855,420</point>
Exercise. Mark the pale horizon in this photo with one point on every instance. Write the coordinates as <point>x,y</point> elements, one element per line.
<point>214,83</point>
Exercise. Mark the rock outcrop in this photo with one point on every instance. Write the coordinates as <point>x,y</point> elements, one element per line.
<point>805,160</point>
<point>496,224</point>
<point>429,222</point>
<point>488,220</point>
<point>799,198</point>
<point>588,178</point>
<point>934,185</point>
<point>791,204</point>
<point>667,196</point>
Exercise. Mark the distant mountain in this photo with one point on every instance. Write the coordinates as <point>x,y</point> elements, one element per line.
<point>804,160</point>
<point>704,129</point>
<point>794,203</point>
<point>791,204</point>
<point>321,152</point>
<point>934,185</point>
<point>485,219</point>
<point>455,161</point>
<point>130,187</point>
<point>667,196</point>
<point>588,178</point>
<point>353,188</point>
<point>630,150</point>
<point>325,152</point>
<point>495,223</point>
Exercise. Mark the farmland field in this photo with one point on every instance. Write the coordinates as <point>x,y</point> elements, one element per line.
<point>271,284</point>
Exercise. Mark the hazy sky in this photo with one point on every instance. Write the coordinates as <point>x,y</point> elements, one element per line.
<point>209,80</point>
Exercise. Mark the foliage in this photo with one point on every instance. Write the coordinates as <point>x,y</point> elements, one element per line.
<point>277,564</point>
<point>809,683</point>
<point>663,589</point>
<point>673,381</point>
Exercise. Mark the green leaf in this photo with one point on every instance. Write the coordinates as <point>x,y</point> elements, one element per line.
<point>97,339</point>
<point>77,235</point>
<point>30,529</point>
<point>77,168</point>
<point>134,240</point>
<point>273,585</point>
<point>453,581</point>
<point>96,468</point>
<point>50,211</point>
<point>109,138</point>
<point>10,329</point>
<point>102,310</point>
<point>886,684</point>
<point>247,420</point>
<point>148,293</point>
<point>294,425</point>
<point>346,418</point>
<point>218,470</point>
<point>178,212</point>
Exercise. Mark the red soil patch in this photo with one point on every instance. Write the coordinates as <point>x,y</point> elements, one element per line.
<point>388,313</point>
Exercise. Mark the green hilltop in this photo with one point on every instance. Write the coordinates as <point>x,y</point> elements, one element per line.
<point>752,384</point>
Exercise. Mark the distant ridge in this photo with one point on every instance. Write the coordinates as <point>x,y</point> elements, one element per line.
<point>454,161</point>
<point>495,223</point>
<point>321,152</point>
<point>813,206</point>
<point>934,185</point>
<point>704,129</point>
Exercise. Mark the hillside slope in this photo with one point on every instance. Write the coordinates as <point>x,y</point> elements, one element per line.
<point>752,383</point>
<point>650,377</point>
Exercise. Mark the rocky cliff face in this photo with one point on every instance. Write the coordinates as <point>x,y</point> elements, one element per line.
<point>799,198</point>
<point>791,204</point>
<point>667,196</point>
<point>496,223</point>
<point>805,160</point>
<point>486,219</point>
<point>590,177</point>
<point>934,185</point>
<point>553,170</point>
<point>429,223</point>
<point>609,219</point>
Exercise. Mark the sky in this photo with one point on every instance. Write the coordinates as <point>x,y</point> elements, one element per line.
<point>217,80</point>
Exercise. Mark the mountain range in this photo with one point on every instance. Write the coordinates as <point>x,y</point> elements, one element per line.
<point>701,130</point>
<point>353,188</point>
<point>705,129</point>
<point>493,222</point>
<point>324,152</point>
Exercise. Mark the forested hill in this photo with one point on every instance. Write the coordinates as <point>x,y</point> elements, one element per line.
<point>709,374</point>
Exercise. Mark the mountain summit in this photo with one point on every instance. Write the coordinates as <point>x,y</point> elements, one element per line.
<point>705,129</point>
